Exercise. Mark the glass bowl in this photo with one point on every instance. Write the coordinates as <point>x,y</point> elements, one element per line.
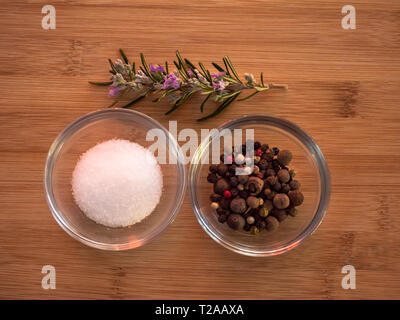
<point>311,170</point>
<point>85,133</point>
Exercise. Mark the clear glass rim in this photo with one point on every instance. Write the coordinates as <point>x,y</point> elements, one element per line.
<point>54,150</point>
<point>310,145</point>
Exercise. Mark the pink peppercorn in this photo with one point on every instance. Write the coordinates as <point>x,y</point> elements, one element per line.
<point>229,160</point>
<point>227,194</point>
<point>258,152</point>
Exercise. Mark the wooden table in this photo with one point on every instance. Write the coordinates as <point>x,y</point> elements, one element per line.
<point>343,90</point>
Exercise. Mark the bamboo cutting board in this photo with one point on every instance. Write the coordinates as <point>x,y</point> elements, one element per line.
<point>343,90</point>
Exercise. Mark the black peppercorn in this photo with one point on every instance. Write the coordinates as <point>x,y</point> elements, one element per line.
<point>222,211</point>
<point>264,147</point>
<point>225,203</point>
<point>212,178</point>
<point>234,181</point>
<point>234,192</point>
<point>222,218</point>
<point>247,227</point>
<point>261,225</point>
<point>215,197</point>
<point>262,164</point>
<point>275,150</point>
<point>213,168</point>
<point>232,168</point>
<point>222,169</point>
<point>243,194</point>
<point>236,221</point>
<point>268,205</point>
<point>257,145</point>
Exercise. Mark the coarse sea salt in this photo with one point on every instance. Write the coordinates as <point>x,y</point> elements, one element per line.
<point>117,183</point>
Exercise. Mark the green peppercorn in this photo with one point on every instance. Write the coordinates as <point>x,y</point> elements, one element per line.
<point>263,212</point>
<point>292,173</point>
<point>254,230</point>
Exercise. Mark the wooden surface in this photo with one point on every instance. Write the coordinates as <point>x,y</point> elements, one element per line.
<point>344,91</point>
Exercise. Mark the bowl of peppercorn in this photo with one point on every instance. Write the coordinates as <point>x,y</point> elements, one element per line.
<point>261,196</point>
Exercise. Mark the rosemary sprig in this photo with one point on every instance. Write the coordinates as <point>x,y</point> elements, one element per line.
<point>179,86</point>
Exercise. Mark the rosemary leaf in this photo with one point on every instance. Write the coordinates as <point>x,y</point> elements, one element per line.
<point>185,97</point>
<point>191,65</point>
<point>146,67</point>
<point>113,71</point>
<point>123,55</point>
<point>113,104</point>
<point>133,67</point>
<point>262,79</point>
<point>204,102</point>
<point>206,72</point>
<point>182,64</point>
<point>133,102</point>
<point>226,67</point>
<point>99,83</point>
<point>229,63</point>
<point>166,67</point>
<point>249,96</point>
<point>222,107</point>
<point>219,68</point>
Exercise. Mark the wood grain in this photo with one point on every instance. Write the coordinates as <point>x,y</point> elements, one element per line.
<point>343,90</point>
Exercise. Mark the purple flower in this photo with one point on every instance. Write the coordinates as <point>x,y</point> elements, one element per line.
<point>170,82</point>
<point>113,91</point>
<point>219,85</point>
<point>190,73</point>
<point>156,68</point>
<point>218,74</point>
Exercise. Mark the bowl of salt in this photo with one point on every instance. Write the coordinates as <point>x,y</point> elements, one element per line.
<point>104,185</point>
